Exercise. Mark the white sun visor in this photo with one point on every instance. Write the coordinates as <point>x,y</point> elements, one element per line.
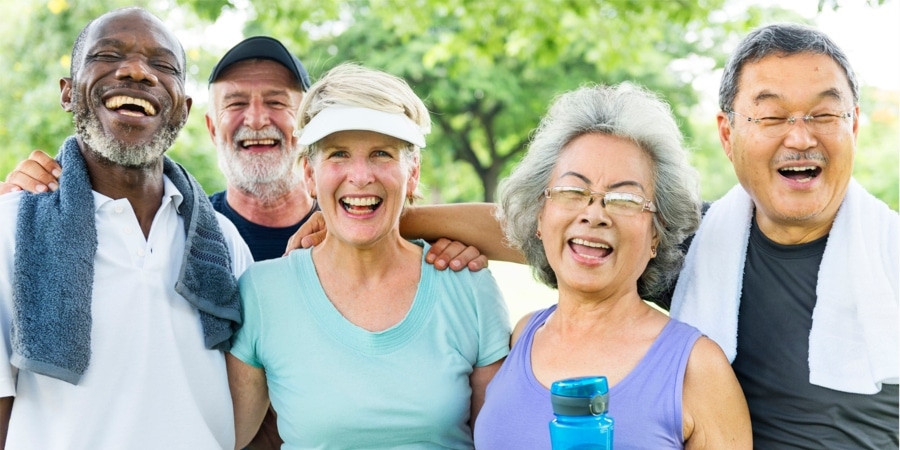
<point>345,118</point>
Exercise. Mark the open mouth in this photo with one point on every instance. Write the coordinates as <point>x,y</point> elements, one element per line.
<point>130,106</point>
<point>249,144</point>
<point>801,173</point>
<point>360,205</point>
<point>590,249</point>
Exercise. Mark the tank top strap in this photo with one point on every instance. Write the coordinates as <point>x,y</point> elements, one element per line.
<point>520,353</point>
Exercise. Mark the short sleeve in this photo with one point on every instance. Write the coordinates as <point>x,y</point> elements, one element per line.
<point>241,258</point>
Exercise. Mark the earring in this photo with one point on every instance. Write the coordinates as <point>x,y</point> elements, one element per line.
<point>653,252</point>
<point>538,234</point>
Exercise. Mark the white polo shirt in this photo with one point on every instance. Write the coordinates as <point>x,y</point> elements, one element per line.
<point>151,383</point>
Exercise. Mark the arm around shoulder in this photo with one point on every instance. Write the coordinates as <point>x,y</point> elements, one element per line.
<point>38,173</point>
<point>471,223</point>
<point>715,414</point>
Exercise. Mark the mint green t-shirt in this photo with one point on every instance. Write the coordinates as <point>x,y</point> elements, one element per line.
<point>337,386</point>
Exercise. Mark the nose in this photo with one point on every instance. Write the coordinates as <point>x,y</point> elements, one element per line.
<point>360,173</point>
<point>799,136</point>
<point>136,69</point>
<point>256,116</point>
<point>595,214</point>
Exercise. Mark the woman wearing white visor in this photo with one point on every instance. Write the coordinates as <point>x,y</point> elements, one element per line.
<point>358,342</point>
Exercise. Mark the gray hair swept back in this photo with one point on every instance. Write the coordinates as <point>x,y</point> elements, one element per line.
<point>626,111</point>
<point>783,39</point>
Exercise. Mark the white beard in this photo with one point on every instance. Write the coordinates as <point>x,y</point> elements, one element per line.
<point>266,176</point>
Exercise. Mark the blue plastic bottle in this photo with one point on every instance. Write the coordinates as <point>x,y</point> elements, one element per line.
<point>580,406</point>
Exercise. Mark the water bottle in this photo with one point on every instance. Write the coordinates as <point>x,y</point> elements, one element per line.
<point>580,406</point>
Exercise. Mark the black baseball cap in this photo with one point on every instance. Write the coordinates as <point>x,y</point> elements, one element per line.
<point>262,47</point>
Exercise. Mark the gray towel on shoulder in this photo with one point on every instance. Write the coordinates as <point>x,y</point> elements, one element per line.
<point>56,240</point>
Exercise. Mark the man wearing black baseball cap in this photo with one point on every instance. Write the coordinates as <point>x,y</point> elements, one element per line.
<point>254,93</point>
<point>262,47</point>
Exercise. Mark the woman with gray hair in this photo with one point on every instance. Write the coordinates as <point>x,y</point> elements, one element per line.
<point>598,207</point>
<point>358,342</point>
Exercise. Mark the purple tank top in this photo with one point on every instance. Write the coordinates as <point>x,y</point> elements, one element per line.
<point>646,404</point>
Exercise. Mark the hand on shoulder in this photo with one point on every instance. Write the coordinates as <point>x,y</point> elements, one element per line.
<point>39,173</point>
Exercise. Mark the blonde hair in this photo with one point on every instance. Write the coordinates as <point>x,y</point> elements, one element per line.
<point>350,84</point>
<point>353,85</point>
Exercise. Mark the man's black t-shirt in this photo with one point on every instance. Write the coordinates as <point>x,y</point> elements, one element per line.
<point>264,242</point>
<point>775,317</point>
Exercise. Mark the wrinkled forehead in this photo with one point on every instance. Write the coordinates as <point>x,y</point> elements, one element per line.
<point>268,75</point>
<point>131,25</point>
<point>802,77</point>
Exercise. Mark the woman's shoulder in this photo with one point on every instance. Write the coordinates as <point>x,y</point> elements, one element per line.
<point>675,326</point>
<point>708,357</point>
<point>464,276</point>
<point>477,287</point>
<point>276,269</point>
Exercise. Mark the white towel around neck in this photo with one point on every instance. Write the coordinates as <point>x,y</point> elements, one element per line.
<point>853,344</point>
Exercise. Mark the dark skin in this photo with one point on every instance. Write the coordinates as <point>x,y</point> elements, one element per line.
<point>127,53</point>
<point>120,52</point>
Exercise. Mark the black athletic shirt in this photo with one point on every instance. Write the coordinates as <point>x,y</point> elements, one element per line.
<point>779,293</point>
<point>264,242</point>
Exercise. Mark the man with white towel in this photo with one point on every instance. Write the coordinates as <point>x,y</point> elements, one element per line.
<point>794,272</point>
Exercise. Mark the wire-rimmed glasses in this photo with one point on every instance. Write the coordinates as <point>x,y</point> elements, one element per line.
<point>617,203</point>
<point>820,124</point>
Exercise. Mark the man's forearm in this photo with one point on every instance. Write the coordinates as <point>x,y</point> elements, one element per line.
<point>471,223</point>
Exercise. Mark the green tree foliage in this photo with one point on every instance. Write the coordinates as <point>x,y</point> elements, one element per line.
<point>877,158</point>
<point>487,71</point>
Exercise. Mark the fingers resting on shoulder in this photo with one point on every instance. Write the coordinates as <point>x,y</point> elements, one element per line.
<point>311,233</point>
<point>455,255</point>
<point>38,173</point>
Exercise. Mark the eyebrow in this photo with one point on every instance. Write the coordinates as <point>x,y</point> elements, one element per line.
<point>611,186</point>
<point>831,93</point>
<point>235,95</point>
<point>267,94</point>
<point>117,43</point>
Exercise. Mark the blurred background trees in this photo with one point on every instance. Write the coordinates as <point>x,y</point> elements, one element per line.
<point>487,71</point>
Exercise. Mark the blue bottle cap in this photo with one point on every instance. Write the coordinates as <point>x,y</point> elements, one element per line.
<point>582,396</point>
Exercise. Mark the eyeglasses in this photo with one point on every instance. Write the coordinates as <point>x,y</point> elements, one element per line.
<point>822,124</point>
<point>616,203</point>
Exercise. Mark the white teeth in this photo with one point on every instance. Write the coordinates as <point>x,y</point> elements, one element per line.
<point>580,241</point>
<point>799,169</point>
<point>361,201</point>
<point>249,142</point>
<point>121,100</point>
